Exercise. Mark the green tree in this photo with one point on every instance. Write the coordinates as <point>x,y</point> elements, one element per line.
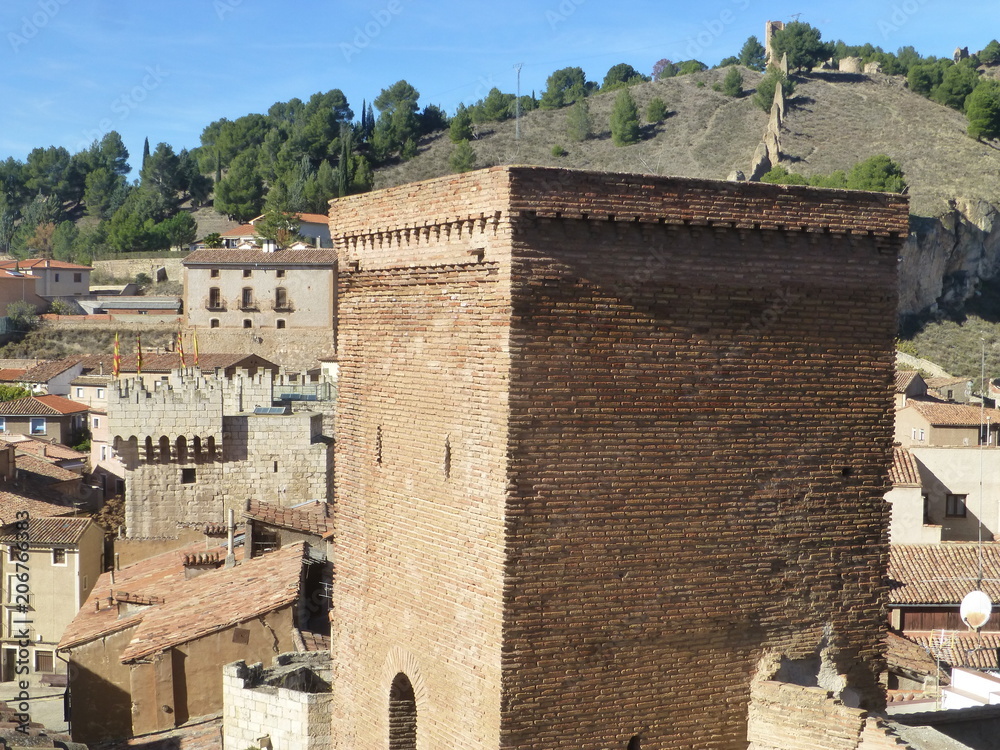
<point>9,392</point>
<point>461,125</point>
<point>764,96</point>
<point>802,43</point>
<point>563,87</point>
<point>213,240</point>
<point>753,55</point>
<point>64,240</point>
<point>664,69</point>
<point>990,54</point>
<point>102,186</point>
<point>495,107</point>
<point>732,84</point>
<point>240,194</point>
<point>624,120</point>
<point>620,75</point>
<point>656,110</point>
<point>463,158</point>
<point>47,172</point>
<point>180,230</point>
<point>982,108</point>
<point>279,227</point>
<point>924,77</point>
<point>578,122</point>
<point>879,173</point>
<point>956,85</point>
<point>22,314</point>
<point>162,173</point>
<point>687,67</point>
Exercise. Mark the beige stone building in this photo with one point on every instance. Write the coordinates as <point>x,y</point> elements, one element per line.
<point>48,565</point>
<point>280,304</point>
<point>52,417</point>
<point>930,422</point>
<point>55,278</point>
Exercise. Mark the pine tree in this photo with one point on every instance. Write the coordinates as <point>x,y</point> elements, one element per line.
<point>732,84</point>
<point>656,110</point>
<point>624,120</point>
<point>578,121</point>
<point>463,158</point>
<point>982,107</point>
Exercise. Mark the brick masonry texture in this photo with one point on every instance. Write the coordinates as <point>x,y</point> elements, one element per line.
<point>602,440</point>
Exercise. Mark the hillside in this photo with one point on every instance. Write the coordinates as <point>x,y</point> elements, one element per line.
<point>706,134</point>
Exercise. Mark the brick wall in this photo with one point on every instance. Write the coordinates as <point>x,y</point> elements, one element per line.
<point>632,431</point>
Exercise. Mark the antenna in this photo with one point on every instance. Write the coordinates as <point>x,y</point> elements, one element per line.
<point>795,16</point>
<point>517,103</point>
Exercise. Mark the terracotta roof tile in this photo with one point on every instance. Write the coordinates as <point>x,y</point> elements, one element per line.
<point>325,258</point>
<point>43,372</point>
<point>904,469</point>
<point>905,655</point>
<point>243,230</point>
<point>11,375</point>
<point>52,452</point>
<point>904,378</point>
<point>926,574</point>
<point>947,414</point>
<point>311,518</point>
<point>962,648</point>
<point>165,363</point>
<point>315,641</point>
<point>43,470</point>
<point>41,406</point>
<point>50,530</point>
<point>43,263</point>
<point>202,733</point>
<point>188,608</point>
<point>11,503</point>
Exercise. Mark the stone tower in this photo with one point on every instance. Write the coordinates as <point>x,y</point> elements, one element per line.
<point>198,445</point>
<point>602,442</point>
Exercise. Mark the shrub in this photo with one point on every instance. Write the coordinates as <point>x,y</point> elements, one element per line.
<point>558,151</point>
<point>22,315</point>
<point>656,110</point>
<point>764,96</point>
<point>578,121</point>
<point>463,158</point>
<point>732,84</point>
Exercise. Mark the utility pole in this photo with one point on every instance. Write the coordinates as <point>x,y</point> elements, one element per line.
<point>517,104</point>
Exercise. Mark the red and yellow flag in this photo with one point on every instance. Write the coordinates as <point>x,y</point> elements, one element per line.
<point>196,349</point>
<point>138,354</point>
<point>116,362</point>
<point>180,349</point>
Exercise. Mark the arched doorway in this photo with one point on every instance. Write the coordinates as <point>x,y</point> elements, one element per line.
<point>402,714</point>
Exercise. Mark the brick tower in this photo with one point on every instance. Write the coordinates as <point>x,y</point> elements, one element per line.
<point>603,441</point>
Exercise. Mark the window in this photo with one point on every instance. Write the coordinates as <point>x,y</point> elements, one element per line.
<point>188,476</point>
<point>3,424</point>
<point>247,323</point>
<point>13,553</point>
<point>79,392</point>
<point>58,556</point>
<point>280,273</point>
<point>104,453</point>
<point>43,661</point>
<point>954,506</point>
<point>246,298</point>
<point>77,278</point>
<point>56,278</point>
<point>214,298</point>
<point>402,714</point>
<point>927,508</point>
<point>213,323</point>
<point>100,393</point>
<point>247,273</point>
<point>97,422</point>
<point>38,426</point>
<point>214,273</point>
<point>279,323</point>
<point>280,298</point>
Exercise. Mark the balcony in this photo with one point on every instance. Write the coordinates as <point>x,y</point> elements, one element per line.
<point>215,306</point>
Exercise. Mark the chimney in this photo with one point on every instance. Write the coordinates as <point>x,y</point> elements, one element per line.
<point>231,556</point>
<point>118,565</point>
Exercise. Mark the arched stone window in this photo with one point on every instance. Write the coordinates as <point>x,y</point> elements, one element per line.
<point>402,714</point>
<point>164,449</point>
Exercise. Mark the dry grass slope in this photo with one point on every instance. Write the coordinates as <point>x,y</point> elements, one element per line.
<point>706,134</point>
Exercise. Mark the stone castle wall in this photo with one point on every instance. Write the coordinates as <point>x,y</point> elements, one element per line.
<point>602,440</point>
<point>193,449</point>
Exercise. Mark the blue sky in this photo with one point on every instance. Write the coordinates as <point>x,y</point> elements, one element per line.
<point>74,69</point>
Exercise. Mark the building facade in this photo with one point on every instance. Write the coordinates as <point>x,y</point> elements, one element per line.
<point>604,441</point>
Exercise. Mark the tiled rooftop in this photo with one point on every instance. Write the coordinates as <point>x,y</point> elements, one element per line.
<point>42,263</point>
<point>42,448</point>
<point>904,378</point>
<point>164,363</point>
<point>44,471</point>
<point>310,518</point>
<point>191,607</point>
<point>43,372</point>
<point>222,256</point>
<point>13,502</point>
<point>40,406</point>
<point>50,530</point>
<point>11,375</point>
<point>962,649</point>
<point>904,470</point>
<point>905,655</point>
<point>927,574</point>
<point>947,414</point>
